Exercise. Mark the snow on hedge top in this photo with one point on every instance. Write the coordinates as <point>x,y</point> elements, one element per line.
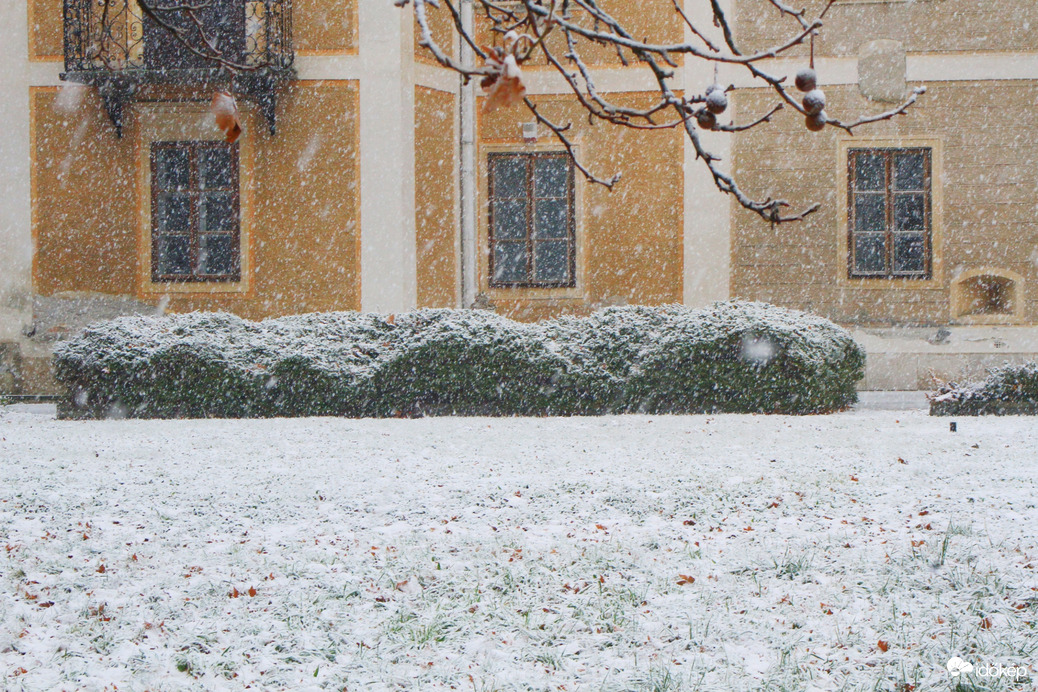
<point>1012,383</point>
<point>350,344</point>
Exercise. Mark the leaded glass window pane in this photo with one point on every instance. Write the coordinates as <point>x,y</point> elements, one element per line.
<point>889,206</point>
<point>871,172</point>
<point>909,171</point>
<point>551,176</point>
<point>195,212</point>
<point>870,212</point>
<point>510,177</point>
<point>510,262</point>
<point>551,262</point>
<point>216,254</point>
<point>531,220</point>
<point>510,219</point>
<point>869,253</point>
<point>909,252</point>
<point>551,218</point>
<point>909,212</point>
<point>174,254</point>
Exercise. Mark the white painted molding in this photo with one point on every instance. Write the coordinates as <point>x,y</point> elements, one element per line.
<point>45,74</point>
<point>831,71</point>
<point>613,80</point>
<point>957,67</point>
<point>16,208</point>
<point>707,210</point>
<point>921,67</point>
<point>388,255</point>
<point>328,67</point>
<point>438,78</point>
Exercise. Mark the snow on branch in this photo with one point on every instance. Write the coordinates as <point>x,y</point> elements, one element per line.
<point>524,28</point>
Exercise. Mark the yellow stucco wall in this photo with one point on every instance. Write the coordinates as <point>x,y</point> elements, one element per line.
<point>441,26</point>
<point>322,27</point>
<point>652,19</point>
<point>304,255</point>
<point>45,29</point>
<point>436,190</point>
<point>921,25</point>
<point>629,240</point>
<point>984,192</point>
<point>84,197</point>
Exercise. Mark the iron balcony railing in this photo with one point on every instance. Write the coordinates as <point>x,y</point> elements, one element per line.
<point>117,36</point>
<point>243,45</point>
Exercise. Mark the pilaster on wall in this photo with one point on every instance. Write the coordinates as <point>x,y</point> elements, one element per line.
<point>15,186</point>
<point>707,209</point>
<point>388,247</point>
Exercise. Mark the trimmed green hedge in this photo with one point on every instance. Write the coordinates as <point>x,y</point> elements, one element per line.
<point>731,357</point>
<point>1008,390</point>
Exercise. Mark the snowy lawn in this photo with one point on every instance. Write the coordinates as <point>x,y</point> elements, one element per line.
<point>857,551</point>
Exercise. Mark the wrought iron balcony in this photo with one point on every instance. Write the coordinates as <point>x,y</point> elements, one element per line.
<point>241,45</point>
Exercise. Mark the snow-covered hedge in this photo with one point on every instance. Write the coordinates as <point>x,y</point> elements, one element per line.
<point>1008,390</point>
<point>737,357</point>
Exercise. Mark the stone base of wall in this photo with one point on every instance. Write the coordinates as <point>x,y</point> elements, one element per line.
<point>27,373</point>
<point>10,368</point>
<point>25,361</point>
<point>924,358</point>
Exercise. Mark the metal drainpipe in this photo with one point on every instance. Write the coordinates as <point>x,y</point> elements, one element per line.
<point>467,170</point>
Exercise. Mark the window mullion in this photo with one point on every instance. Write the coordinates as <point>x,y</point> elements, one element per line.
<point>529,218</point>
<point>852,172</point>
<point>928,211</point>
<point>571,230</point>
<point>889,195</point>
<point>196,208</point>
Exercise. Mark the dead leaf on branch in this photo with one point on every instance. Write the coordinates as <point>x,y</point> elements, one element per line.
<point>504,87</point>
<point>225,109</point>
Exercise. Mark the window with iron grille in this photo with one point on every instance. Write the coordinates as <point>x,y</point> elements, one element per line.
<point>890,213</point>
<point>223,24</point>
<point>532,225</point>
<point>195,212</point>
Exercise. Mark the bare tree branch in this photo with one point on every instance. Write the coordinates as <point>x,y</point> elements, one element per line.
<point>535,29</point>
<point>536,19</point>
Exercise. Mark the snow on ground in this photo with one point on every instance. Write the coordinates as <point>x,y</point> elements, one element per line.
<point>620,553</point>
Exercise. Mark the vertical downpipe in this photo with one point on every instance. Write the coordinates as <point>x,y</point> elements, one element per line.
<point>467,146</point>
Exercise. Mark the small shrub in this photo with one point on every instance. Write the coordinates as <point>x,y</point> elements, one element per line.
<point>737,357</point>
<point>1008,390</point>
<point>745,357</point>
<point>467,363</point>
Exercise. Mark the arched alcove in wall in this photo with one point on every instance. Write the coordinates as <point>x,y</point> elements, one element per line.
<point>988,296</point>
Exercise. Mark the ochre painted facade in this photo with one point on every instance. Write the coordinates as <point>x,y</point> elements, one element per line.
<point>84,242</point>
<point>325,27</point>
<point>357,201</point>
<point>923,26</point>
<point>436,194</point>
<point>655,18</point>
<point>985,192</point>
<point>629,241</point>
<point>303,256</point>
<point>45,30</point>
